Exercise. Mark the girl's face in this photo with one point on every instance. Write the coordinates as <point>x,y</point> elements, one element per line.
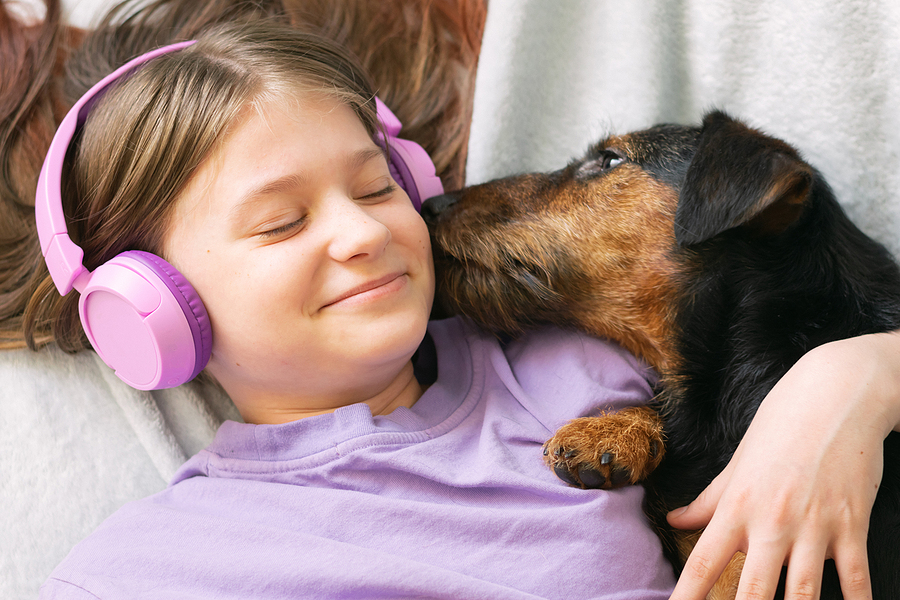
<point>314,266</point>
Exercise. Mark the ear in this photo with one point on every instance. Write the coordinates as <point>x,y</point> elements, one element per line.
<point>740,177</point>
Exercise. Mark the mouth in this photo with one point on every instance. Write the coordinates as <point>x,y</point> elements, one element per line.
<point>370,291</point>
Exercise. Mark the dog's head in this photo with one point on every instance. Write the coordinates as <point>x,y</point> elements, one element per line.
<point>603,244</point>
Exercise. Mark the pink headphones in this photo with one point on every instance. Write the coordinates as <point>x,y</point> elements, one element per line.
<point>140,314</point>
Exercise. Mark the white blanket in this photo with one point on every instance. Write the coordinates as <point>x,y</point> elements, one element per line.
<point>824,75</point>
<point>75,443</point>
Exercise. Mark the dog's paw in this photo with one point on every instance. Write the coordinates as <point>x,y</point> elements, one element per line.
<point>609,451</point>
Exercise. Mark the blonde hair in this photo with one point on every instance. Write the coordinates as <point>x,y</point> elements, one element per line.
<point>145,138</point>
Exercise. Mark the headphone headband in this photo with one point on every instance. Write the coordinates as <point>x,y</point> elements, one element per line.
<point>142,317</point>
<point>62,255</point>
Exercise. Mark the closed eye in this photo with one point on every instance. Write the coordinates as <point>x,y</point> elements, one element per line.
<point>288,227</point>
<point>381,193</point>
<point>279,231</point>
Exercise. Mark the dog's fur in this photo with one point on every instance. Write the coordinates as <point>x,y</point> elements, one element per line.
<point>714,253</point>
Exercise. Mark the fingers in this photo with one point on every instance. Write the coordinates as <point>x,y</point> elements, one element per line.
<point>852,562</point>
<point>804,574</point>
<point>695,515</point>
<point>762,568</point>
<point>704,566</point>
<point>759,578</point>
<point>805,565</point>
<point>698,513</point>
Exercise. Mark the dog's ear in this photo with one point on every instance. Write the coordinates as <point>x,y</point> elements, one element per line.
<point>740,177</point>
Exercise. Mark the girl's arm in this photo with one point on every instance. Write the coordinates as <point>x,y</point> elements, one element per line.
<point>800,487</point>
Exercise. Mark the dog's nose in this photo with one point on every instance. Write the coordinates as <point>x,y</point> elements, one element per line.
<point>433,207</point>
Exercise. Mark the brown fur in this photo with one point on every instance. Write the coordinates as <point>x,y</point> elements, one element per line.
<point>628,297</point>
<point>546,234</point>
<point>619,229</point>
<point>632,436</point>
<point>717,255</point>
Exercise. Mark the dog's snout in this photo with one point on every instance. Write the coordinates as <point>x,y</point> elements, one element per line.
<point>434,207</point>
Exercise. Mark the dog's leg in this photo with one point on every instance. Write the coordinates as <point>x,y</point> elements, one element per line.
<point>609,451</point>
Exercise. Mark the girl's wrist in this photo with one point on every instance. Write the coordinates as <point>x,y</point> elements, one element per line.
<point>875,358</point>
<point>855,374</point>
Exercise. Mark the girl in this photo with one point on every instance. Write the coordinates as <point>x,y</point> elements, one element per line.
<point>379,456</point>
<point>259,523</point>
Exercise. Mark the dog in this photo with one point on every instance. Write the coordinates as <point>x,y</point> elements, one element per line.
<point>717,255</point>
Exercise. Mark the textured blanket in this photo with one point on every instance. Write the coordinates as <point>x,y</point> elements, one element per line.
<point>824,75</point>
<point>75,443</point>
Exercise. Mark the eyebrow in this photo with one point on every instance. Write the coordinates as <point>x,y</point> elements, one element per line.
<point>293,181</point>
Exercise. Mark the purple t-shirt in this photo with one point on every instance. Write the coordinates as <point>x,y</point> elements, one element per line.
<point>449,499</point>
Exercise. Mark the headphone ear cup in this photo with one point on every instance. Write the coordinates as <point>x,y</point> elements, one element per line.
<point>146,321</point>
<point>410,165</point>
<point>412,168</point>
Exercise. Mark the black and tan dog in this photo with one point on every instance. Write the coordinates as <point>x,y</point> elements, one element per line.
<point>714,253</point>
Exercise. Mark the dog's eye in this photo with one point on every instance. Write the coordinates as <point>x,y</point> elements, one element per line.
<point>610,160</point>
<point>605,161</point>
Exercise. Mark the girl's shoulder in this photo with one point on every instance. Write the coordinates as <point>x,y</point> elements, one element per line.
<point>556,374</point>
<point>547,348</point>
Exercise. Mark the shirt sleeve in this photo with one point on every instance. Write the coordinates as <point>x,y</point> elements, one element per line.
<point>566,374</point>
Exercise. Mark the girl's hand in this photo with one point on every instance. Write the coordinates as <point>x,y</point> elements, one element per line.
<point>800,487</point>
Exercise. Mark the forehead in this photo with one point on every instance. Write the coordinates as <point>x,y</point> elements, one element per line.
<point>271,142</point>
<point>275,136</point>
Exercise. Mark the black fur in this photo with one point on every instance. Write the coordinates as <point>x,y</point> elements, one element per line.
<point>771,267</point>
<point>765,290</point>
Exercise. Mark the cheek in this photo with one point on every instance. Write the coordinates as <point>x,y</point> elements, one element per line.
<point>258,290</point>
<point>238,294</point>
<point>408,225</point>
<point>249,314</point>
<point>414,235</point>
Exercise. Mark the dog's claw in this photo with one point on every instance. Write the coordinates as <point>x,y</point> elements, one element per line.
<point>610,451</point>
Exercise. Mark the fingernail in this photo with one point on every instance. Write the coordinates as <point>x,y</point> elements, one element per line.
<point>678,511</point>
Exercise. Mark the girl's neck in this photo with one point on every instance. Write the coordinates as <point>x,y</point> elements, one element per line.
<point>403,390</point>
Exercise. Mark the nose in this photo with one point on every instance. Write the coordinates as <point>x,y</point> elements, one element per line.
<point>356,233</point>
<point>435,206</point>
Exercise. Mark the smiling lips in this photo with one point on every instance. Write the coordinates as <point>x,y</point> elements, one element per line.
<point>371,290</point>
